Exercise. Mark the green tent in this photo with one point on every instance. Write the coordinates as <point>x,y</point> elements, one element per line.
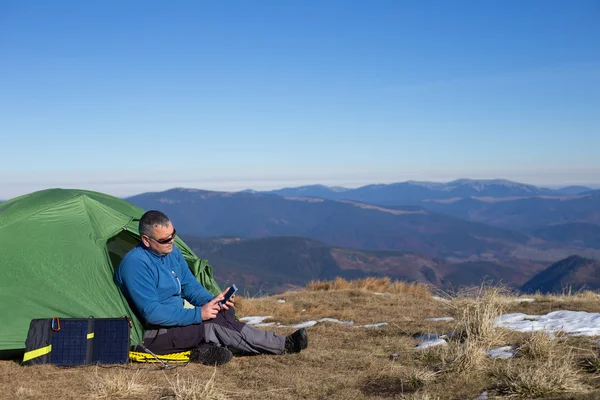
<point>60,249</point>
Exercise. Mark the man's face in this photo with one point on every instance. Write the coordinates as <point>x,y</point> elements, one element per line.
<point>161,240</point>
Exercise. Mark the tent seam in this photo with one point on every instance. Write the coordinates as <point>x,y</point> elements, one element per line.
<point>91,223</point>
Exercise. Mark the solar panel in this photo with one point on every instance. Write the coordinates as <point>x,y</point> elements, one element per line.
<point>77,341</point>
<point>111,341</point>
<point>69,344</point>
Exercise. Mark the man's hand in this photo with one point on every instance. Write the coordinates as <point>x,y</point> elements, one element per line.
<point>211,309</point>
<point>229,303</point>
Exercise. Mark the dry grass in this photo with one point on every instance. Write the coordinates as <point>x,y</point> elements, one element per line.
<point>380,285</point>
<point>463,357</point>
<point>193,388</point>
<point>473,332</point>
<point>396,381</point>
<point>346,362</point>
<point>545,366</point>
<point>26,393</point>
<point>539,378</point>
<point>539,346</point>
<point>120,384</point>
<point>568,292</point>
<point>476,315</point>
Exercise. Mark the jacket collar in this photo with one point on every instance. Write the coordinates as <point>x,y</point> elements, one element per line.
<point>150,252</point>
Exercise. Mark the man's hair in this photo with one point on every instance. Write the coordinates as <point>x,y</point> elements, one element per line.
<point>151,219</point>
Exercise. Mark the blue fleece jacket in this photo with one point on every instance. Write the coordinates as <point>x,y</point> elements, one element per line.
<point>157,285</point>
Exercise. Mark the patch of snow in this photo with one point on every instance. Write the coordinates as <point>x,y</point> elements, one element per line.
<point>330,320</point>
<point>430,336</point>
<point>338,189</point>
<point>303,310</point>
<point>382,294</point>
<point>440,319</point>
<point>375,325</point>
<point>501,352</point>
<point>254,320</point>
<point>267,324</point>
<point>482,396</point>
<point>428,340</point>
<point>438,298</point>
<point>281,301</point>
<point>523,300</point>
<point>336,321</point>
<point>304,324</point>
<point>431,343</point>
<point>313,322</point>
<point>307,199</point>
<point>575,323</point>
<point>258,321</point>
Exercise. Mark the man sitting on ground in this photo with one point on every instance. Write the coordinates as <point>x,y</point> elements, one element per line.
<point>155,279</point>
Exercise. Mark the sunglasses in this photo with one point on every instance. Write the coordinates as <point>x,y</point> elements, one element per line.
<point>164,240</point>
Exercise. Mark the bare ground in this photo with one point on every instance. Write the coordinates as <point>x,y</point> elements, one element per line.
<point>349,362</point>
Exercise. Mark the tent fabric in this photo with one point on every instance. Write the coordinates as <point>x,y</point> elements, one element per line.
<point>59,251</point>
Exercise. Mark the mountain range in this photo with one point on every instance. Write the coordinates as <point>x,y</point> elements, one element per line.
<point>524,213</point>
<point>464,251</point>
<point>360,225</point>
<point>446,234</point>
<point>498,202</point>
<point>414,192</point>
<point>339,223</point>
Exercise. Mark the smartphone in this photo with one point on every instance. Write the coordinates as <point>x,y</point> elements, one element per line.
<point>228,295</point>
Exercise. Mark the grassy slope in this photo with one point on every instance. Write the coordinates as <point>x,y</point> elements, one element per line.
<point>345,362</point>
<point>267,265</point>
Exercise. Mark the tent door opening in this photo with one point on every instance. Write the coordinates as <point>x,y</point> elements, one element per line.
<point>120,245</point>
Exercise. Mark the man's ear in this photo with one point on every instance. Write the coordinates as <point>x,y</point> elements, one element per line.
<point>145,240</point>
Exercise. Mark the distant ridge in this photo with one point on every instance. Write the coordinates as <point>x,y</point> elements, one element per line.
<point>573,273</point>
<point>524,213</point>
<point>414,192</point>
<point>574,190</point>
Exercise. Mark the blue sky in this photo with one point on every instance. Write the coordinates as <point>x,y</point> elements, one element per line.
<point>126,97</point>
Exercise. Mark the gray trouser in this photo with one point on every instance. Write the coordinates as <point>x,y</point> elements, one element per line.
<point>224,330</point>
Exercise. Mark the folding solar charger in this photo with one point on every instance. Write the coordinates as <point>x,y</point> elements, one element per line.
<point>77,341</point>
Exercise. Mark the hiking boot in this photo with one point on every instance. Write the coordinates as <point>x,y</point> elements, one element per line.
<point>296,342</point>
<point>214,355</point>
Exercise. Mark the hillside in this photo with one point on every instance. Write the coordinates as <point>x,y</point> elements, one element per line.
<point>573,273</point>
<point>273,265</point>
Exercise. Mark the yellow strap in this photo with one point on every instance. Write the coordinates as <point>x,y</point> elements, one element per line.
<point>90,335</point>
<point>149,358</point>
<point>37,353</point>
